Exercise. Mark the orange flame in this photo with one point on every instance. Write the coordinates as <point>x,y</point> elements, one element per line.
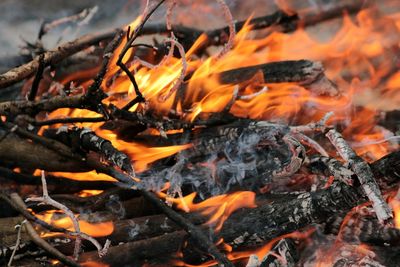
<point>98,229</point>
<point>218,208</point>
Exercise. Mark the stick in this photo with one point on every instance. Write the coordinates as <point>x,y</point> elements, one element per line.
<point>131,38</point>
<point>364,175</point>
<point>52,57</point>
<point>95,94</point>
<point>46,199</point>
<point>17,243</point>
<point>18,202</point>
<point>38,77</point>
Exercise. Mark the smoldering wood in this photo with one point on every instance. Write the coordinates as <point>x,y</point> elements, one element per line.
<point>250,228</point>
<point>278,218</point>
<point>88,140</point>
<point>364,175</point>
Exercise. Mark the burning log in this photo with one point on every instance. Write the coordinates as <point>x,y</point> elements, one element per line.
<point>307,73</point>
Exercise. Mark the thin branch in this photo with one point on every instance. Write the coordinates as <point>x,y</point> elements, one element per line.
<point>17,202</point>
<point>52,57</point>
<point>139,97</point>
<point>232,32</point>
<point>84,16</point>
<point>17,243</point>
<point>46,199</point>
<point>38,77</point>
<point>95,94</point>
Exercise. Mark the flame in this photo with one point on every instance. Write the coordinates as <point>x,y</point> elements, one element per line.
<point>97,229</point>
<point>217,208</point>
<point>89,193</point>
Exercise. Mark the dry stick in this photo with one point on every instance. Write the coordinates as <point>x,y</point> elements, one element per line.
<point>46,199</point>
<point>232,31</point>
<point>17,243</point>
<point>52,57</point>
<point>364,174</point>
<point>21,207</point>
<point>38,77</point>
<point>95,94</point>
<point>311,143</point>
<point>84,15</point>
<point>131,38</point>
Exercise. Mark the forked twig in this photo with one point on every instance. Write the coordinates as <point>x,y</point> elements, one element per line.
<point>46,199</point>
<point>131,38</point>
<point>17,243</point>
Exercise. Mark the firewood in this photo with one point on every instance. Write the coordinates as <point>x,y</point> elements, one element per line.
<point>304,72</point>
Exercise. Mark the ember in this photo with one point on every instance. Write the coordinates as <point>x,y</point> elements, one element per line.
<point>268,141</point>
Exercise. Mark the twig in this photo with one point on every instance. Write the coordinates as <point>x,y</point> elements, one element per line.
<point>131,38</point>
<point>95,94</point>
<point>18,202</point>
<point>179,80</point>
<point>17,243</point>
<point>46,199</point>
<point>38,77</point>
<point>311,143</point>
<point>364,174</point>
<point>84,15</point>
<point>313,126</point>
<point>52,57</point>
<point>232,31</point>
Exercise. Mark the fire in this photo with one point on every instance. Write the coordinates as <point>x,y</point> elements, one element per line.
<point>89,193</point>
<point>93,229</point>
<point>217,208</point>
<point>260,252</point>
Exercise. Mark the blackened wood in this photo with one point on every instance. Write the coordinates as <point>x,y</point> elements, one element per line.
<point>304,72</point>
<point>364,175</point>
<point>38,77</point>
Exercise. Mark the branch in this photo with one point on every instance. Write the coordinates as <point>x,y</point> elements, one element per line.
<point>18,204</point>
<point>52,57</point>
<point>364,174</point>
<point>46,199</point>
<point>38,77</point>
